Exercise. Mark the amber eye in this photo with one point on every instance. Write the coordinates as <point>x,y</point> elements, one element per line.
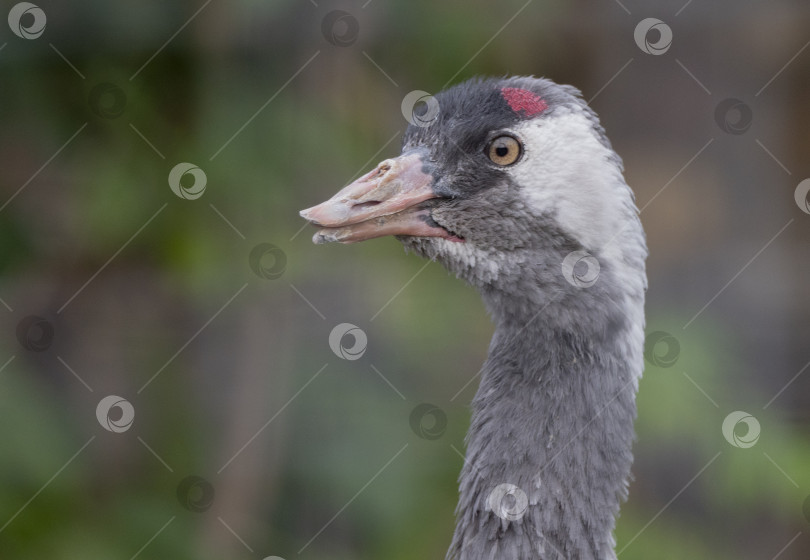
<point>504,150</point>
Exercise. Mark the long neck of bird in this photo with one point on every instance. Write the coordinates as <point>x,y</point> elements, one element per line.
<point>549,446</point>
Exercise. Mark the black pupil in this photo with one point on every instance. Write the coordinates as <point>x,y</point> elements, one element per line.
<point>501,151</point>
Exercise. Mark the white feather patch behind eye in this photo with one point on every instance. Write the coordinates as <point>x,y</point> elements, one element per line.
<point>568,173</point>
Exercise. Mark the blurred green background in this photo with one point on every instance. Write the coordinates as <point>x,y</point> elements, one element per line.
<point>141,294</point>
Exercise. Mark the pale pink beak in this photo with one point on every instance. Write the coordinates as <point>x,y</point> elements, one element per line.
<point>385,201</point>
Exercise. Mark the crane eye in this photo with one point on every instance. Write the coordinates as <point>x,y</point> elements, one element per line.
<point>504,150</point>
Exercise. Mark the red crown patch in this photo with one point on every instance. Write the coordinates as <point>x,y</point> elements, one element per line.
<point>524,100</point>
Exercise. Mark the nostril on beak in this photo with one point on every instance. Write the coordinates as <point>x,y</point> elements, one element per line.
<point>365,204</point>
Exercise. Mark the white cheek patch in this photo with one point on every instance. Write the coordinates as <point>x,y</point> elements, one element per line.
<point>567,172</point>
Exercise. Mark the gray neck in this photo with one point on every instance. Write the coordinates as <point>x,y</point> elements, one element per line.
<point>553,417</point>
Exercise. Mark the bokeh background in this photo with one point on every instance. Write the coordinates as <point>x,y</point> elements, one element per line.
<point>210,315</point>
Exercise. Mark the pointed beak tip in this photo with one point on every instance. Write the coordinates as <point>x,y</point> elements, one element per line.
<point>321,238</point>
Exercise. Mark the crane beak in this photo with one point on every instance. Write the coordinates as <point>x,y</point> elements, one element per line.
<point>385,201</point>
